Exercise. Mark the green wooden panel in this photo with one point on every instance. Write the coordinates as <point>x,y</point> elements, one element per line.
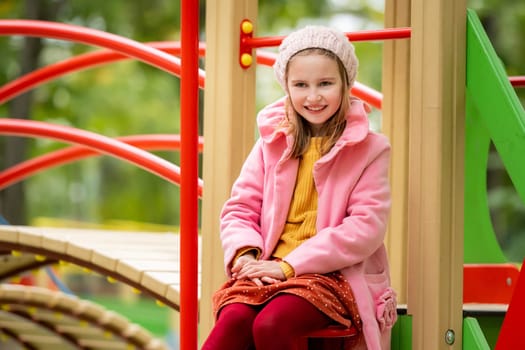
<point>402,333</point>
<point>495,113</point>
<point>491,326</point>
<point>480,245</point>
<point>478,334</point>
<point>473,337</point>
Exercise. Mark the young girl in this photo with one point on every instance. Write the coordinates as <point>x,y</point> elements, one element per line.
<point>303,230</point>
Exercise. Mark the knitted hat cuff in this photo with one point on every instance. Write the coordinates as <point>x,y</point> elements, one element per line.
<point>316,37</point>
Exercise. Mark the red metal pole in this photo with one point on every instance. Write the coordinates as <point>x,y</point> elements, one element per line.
<point>365,35</point>
<point>189,173</point>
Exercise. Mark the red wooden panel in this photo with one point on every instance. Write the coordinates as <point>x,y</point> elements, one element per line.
<point>489,283</point>
<point>511,333</point>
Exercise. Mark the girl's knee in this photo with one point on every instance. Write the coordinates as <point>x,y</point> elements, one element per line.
<point>270,334</point>
<point>270,325</point>
<point>264,327</point>
<point>237,315</point>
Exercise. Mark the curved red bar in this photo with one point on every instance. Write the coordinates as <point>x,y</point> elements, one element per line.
<point>367,94</point>
<point>80,62</point>
<point>518,81</point>
<point>66,155</point>
<point>94,37</point>
<point>102,144</point>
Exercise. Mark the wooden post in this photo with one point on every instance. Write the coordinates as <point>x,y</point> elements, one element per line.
<point>395,124</point>
<point>435,177</point>
<point>229,132</point>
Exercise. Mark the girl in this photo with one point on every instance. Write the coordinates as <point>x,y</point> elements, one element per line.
<point>303,229</point>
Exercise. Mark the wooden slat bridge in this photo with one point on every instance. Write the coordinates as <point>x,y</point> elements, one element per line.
<point>39,318</point>
<point>147,261</point>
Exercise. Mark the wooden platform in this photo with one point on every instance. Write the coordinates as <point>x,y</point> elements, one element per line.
<point>146,261</point>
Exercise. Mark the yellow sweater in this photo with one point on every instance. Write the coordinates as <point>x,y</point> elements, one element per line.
<point>302,215</point>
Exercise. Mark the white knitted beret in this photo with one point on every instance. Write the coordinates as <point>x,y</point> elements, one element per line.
<point>316,37</point>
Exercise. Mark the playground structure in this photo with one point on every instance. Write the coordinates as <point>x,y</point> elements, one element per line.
<point>437,258</point>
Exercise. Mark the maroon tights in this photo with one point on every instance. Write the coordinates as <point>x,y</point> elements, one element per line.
<point>275,325</point>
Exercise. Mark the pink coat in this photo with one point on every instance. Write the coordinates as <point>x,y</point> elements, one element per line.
<point>353,208</point>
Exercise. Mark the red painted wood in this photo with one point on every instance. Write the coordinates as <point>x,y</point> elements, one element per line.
<point>511,336</point>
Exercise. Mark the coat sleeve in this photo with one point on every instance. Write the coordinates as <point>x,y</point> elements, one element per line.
<point>361,231</point>
<point>240,216</point>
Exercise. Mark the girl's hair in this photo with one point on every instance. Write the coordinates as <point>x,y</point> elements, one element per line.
<point>332,128</point>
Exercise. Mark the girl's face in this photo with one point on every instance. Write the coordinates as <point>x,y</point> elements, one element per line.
<point>315,88</point>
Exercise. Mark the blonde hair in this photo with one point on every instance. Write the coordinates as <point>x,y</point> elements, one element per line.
<point>332,128</point>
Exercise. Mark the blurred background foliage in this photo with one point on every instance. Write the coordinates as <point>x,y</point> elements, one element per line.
<point>128,97</point>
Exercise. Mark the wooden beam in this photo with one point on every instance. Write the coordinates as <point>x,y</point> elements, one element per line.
<point>435,177</point>
<point>395,124</point>
<point>229,132</point>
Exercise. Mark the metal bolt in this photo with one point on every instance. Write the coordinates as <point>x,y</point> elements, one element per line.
<point>450,336</point>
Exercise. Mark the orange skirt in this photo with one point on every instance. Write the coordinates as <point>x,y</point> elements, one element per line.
<point>330,293</point>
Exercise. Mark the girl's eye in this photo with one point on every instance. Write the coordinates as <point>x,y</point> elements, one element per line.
<point>299,84</point>
<point>326,83</point>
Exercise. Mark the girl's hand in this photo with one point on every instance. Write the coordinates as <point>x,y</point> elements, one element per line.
<point>269,280</point>
<point>239,264</point>
<point>259,271</point>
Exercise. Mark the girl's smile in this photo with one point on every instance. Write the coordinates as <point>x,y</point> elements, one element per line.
<point>315,87</point>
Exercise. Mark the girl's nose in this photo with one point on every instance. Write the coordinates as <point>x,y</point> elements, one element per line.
<point>314,96</point>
